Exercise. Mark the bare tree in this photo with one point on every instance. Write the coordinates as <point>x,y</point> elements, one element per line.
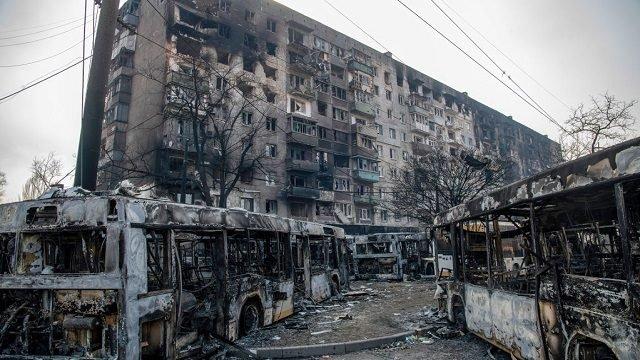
<point>217,118</point>
<point>437,181</point>
<point>602,123</point>
<point>44,173</point>
<point>3,184</point>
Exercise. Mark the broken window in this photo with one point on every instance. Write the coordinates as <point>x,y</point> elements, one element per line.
<point>224,30</point>
<point>295,36</point>
<point>338,92</point>
<point>317,253</point>
<point>271,207</point>
<point>322,108</point>
<point>337,71</point>
<point>269,72</point>
<point>247,204</point>
<point>158,260</point>
<point>188,47</point>
<point>272,48</point>
<point>271,150</point>
<point>271,25</point>
<point>248,64</point>
<point>337,51</point>
<point>271,123</point>
<point>249,16</point>
<point>340,114</point>
<point>250,41</point>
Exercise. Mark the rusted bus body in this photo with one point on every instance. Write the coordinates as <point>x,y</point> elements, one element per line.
<point>120,277</point>
<point>389,256</point>
<point>575,292</point>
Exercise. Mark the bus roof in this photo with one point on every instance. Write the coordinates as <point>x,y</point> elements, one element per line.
<point>82,209</point>
<point>616,163</point>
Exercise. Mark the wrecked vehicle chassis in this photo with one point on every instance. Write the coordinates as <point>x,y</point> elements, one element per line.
<point>119,277</point>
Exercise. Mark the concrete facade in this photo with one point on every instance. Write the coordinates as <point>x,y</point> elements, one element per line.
<point>342,131</point>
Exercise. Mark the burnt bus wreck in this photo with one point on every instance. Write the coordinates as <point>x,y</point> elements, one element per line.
<point>390,256</point>
<point>113,276</point>
<point>575,292</point>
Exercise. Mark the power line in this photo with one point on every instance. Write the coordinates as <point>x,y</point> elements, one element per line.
<point>39,26</point>
<point>43,80</point>
<point>48,57</point>
<point>506,56</point>
<point>358,26</point>
<point>504,72</point>
<point>476,62</point>
<point>44,38</point>
<point>39,31</point>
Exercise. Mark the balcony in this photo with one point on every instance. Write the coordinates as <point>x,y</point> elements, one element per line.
<point>128,42</point>
<point>362,108</point>
<point>420,127</point>
<point>450,111</point>
<point>360,86</point>
<point>358,66</point>
<point>366,175</point>
<point>364,152</point>
<point>326,195</point>
<point>366,130</point>
<point>306,92</point>
<point>325,170</point>
<point>302,165</point>
<point>298,47</point>
<point>453,124</point>
<point>420,148</point>
<point>300,138</point>
<point>370,199</point>
<point>303,67</point>
<point>415,109</point>
<point>303,192</point>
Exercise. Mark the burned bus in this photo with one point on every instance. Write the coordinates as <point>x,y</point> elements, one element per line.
<point>575,292</point>
<point>389,256</point>
<point>114,276</point>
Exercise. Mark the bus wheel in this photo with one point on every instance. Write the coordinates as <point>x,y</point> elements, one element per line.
<point>584,348</point>
<point>250,317</point>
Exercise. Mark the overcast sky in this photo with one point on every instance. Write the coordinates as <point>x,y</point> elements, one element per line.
<point>573,48</point>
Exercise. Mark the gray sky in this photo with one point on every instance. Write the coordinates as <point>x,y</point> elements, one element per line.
<point>574,48</point>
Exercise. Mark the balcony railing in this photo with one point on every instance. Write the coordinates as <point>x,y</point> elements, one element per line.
<point>419,110</point>
<point>326,195</point>
<point>298,47</point>
<point>371,199</point>
<point>453,124</point>
<point>365,152</point>
<point>302,165</point>
<point>357,65</point>
<point>306,92</point>
<point>366,175</point>
<point>363,108</point>
<point>303,192</point>
<point>300,138</point>
<point>366,130</point>
<point>325,170</point>
<point>420,148</point>
<point>420,127</point>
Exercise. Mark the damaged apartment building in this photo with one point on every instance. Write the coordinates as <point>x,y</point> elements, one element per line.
<point>343,118</point>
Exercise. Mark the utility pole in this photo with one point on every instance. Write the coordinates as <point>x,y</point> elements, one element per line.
<point>89,144</point>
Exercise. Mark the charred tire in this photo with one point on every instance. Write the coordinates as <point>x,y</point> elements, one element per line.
<point>584,348</point>
<point>250,317</point>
